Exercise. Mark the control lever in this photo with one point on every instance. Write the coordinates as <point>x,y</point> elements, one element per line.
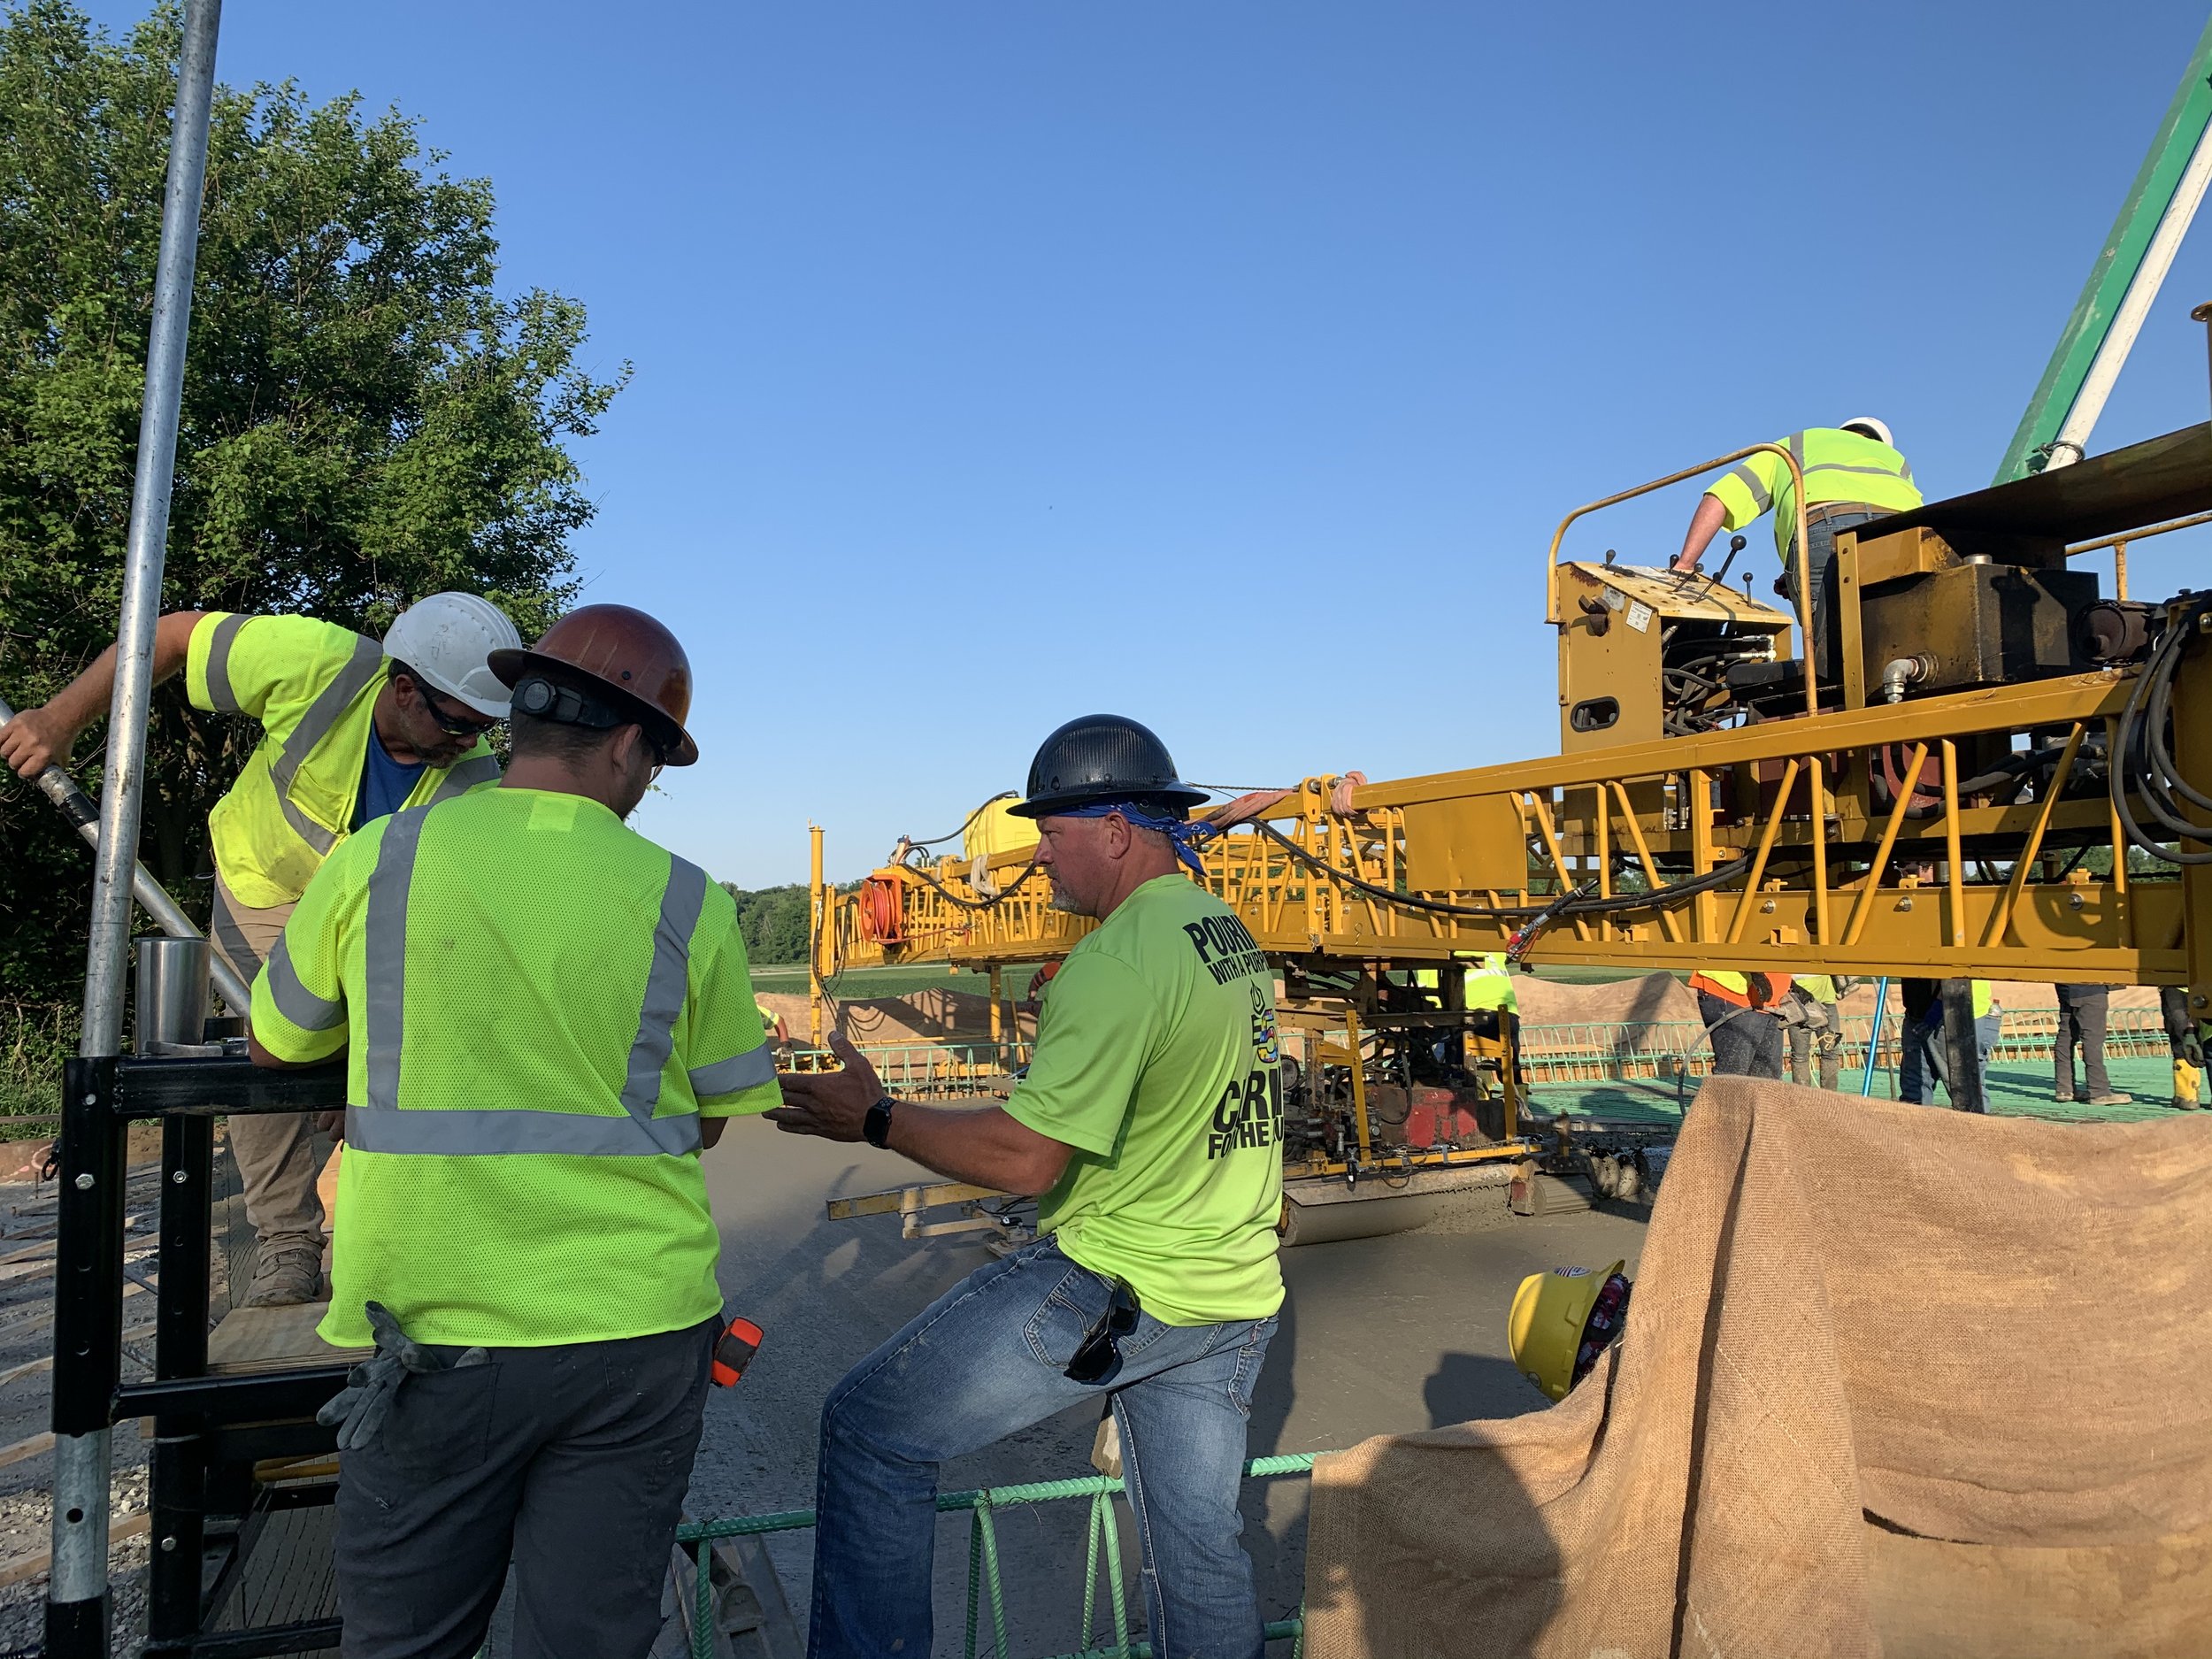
<point>1736,544</point>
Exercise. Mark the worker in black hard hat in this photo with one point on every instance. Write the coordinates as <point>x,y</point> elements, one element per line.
<point>1149,1126</point>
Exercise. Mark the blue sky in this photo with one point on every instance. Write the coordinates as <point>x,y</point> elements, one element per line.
<point>1229,364</point>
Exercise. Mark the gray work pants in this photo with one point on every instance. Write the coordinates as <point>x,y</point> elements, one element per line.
<point>2081,1020</point>
<point>1828,1040</point>
<point>275,1152</point>
<point>1825,647</point>
<point>571,1463</point>
<point>1747,1042</point>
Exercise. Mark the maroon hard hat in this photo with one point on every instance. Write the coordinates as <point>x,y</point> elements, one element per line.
<point>614,648</point>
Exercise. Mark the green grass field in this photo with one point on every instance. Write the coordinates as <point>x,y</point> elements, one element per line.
<point>788,979</point>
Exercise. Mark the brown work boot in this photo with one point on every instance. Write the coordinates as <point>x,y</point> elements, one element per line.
<point>2112,1100</point>
<point>287,1270</point>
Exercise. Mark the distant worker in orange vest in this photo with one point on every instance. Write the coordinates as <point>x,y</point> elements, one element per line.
<point>1740,1022</point>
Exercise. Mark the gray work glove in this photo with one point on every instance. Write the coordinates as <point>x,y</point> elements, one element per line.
<point>356,1411</point>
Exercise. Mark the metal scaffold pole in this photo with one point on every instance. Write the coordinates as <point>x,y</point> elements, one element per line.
<point>77,1589</point>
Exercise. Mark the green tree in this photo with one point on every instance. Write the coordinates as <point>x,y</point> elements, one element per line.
<point>773,921</point>
<point>365,417</point>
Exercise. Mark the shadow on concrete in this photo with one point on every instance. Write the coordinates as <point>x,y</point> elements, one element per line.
<point>1274,1511</point>
<point>1466,1387</point>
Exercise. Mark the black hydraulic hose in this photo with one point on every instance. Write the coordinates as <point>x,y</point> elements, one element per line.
<point>1000,897</point>
<point>2143,749</point>
<point>1003,794</point>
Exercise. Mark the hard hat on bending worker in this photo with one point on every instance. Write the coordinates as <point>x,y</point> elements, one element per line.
<point>352,729</point>
<point>1562,1320</point>
<point>1854,474</point>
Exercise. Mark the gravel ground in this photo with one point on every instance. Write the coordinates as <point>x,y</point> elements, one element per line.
<point>26,1335</point>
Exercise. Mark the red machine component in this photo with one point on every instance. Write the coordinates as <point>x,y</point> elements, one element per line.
<point>880,907</point>
<point>1438,1115</point>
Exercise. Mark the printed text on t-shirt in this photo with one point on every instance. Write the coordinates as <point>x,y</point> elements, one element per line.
<point>1226,946</point>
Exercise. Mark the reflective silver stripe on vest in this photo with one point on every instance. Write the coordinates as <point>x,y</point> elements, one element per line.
<point>231,938</point>
<point>748,1070</point>
<point>665,987</point>
<point>381,1125</point>
<point>1838,466</point>
<point>295,1000</point>
<point>305,827</point>
<point>464,776</point>
<point>385,953</point>
<point>461,1134</point>
<point>219,686</point>
<point>1760,500</point>
<point>324,712</point>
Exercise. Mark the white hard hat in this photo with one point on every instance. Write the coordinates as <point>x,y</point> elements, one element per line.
<point>447,640</point>
<point>1878,430</point>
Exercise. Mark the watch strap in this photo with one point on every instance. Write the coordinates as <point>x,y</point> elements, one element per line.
<point>876,1126</point>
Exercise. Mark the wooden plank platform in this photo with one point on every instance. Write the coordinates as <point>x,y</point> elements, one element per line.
<point>251,1340</point>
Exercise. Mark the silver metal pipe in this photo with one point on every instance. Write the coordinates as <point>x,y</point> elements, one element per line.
<point>79,1561</point>
<point>171,1005</point>
<point>75,805</point>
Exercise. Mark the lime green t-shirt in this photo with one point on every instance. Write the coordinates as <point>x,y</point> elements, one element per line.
<point>1156,1061</point>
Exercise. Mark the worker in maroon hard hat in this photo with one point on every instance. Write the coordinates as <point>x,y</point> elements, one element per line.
<point>547,1017</point>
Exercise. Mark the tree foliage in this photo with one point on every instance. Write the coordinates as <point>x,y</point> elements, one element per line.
<point>365,417</point>
<point>773,921</point>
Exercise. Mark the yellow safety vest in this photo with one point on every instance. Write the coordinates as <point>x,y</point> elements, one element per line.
<point>537,1004</point>
<point>313,687</point>
<point>1490,983</point>
<point>1838,466</point>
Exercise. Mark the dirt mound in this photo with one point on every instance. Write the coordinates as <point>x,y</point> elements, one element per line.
<point>925,1016</point>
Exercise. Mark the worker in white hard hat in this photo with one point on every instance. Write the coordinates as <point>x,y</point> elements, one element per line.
<point>1853,475</point>
<point>351,730</point>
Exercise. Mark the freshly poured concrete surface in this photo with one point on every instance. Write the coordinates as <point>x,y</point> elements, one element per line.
<point>1378,1336</point>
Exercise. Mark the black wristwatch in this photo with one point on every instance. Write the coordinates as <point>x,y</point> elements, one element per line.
<point>876,1127</point>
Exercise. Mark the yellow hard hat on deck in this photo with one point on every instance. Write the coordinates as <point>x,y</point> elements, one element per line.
<point>1550,1324</point>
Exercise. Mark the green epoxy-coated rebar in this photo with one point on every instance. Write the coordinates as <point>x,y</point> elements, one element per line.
<point>983,1564</point>
<point>998,1497</point>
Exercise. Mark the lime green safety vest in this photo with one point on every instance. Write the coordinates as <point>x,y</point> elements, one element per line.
<point>1490,983</point>
<point>1838,466</point>
<point>313,687</point>
<point>536,1005</point>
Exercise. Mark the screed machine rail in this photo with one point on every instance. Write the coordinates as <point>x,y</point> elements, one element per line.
<point>1999,720</point>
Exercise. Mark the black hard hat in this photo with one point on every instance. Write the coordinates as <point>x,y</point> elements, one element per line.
<point>1103,757</point>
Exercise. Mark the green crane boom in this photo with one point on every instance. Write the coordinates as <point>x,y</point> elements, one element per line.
<point>2098,336</point>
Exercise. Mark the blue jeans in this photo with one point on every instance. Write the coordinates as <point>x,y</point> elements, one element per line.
<point>986,1359</point>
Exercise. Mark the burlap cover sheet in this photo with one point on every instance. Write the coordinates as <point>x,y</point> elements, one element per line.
<point>1896,1381</point>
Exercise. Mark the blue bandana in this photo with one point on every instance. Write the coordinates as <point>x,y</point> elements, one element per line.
<point>1188,837</point>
